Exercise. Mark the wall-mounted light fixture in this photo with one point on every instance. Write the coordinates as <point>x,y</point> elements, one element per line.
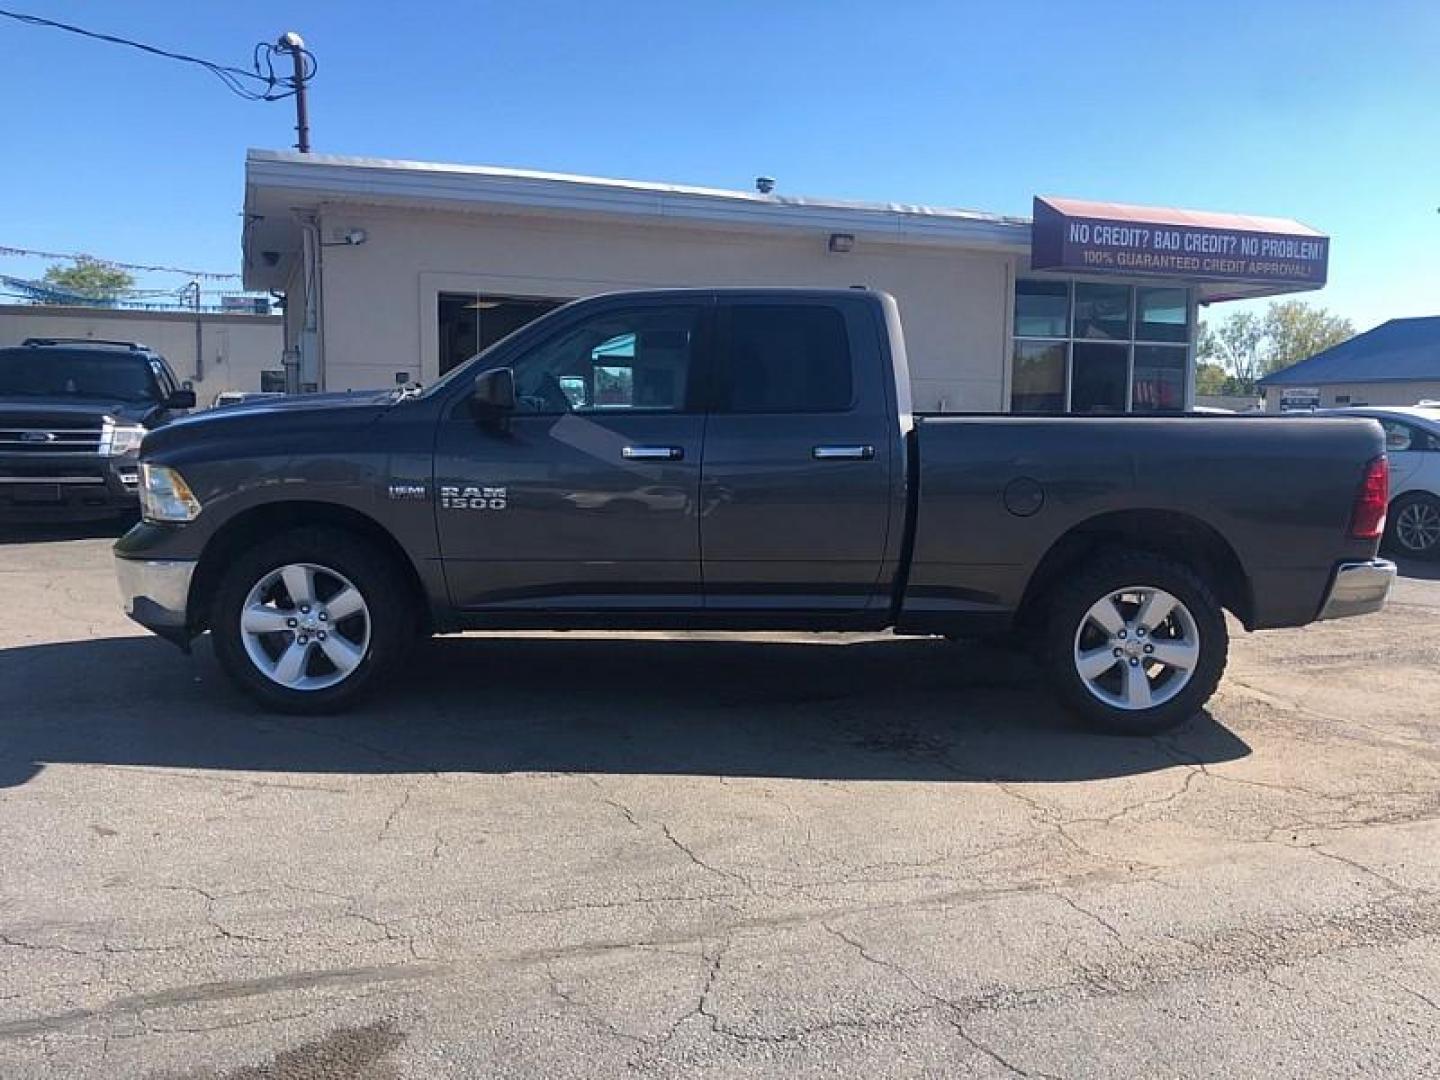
<point>841,243</point>
<point>352,238</point>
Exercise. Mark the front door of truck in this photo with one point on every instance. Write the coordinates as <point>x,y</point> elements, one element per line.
<point>798,491</point>
<point>587,500</point>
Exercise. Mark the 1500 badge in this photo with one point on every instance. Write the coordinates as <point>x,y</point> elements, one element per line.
<point>472,498</point>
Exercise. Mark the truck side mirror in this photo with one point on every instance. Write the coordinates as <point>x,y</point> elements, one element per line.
<point>181,399</point>
<point>493,398</point>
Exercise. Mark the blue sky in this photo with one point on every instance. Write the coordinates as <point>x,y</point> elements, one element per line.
<point>1321,110</point>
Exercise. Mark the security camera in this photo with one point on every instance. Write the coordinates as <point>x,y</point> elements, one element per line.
<point>356,236</point>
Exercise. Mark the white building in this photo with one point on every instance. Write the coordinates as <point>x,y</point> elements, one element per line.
<point>211,351</point>
<point>396,271</point>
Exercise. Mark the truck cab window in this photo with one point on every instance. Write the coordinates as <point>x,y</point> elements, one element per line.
<point>786,358</point>
<point>625,360</point>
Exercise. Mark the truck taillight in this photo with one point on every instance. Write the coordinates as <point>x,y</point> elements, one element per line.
<point>1367,519</point>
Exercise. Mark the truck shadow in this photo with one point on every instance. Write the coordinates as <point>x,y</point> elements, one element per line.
<point>1420,569</point>
<point>45,532</point>
<point>837,708</point>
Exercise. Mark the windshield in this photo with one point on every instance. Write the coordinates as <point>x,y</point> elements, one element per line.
<point>76,374</point>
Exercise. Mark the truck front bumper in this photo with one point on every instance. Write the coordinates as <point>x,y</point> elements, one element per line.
<point>53,488</point>
<point>156,594</point>
<point>1359,588</point>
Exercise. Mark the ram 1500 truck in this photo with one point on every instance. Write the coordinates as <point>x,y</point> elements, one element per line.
<point>742,459</point>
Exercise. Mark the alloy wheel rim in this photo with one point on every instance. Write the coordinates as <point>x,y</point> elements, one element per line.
<point>305,627</point>
<point>1136,648</point>
<point>1418,526</point>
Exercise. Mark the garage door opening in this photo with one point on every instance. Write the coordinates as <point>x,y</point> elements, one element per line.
<point>472,322</point>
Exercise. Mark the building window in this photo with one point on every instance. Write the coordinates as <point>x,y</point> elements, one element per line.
<point>1094,347</point>
<point>1162,315</point>
<point>1102,311</point>
<point>1039,380</point>
<point>1159,380</point>
<point>1098,377</point>
<point>471,322</point>
<point>1042,309</point>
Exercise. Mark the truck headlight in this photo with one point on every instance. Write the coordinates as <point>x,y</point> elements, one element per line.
<point>117,439</point>
<point>164,495</point>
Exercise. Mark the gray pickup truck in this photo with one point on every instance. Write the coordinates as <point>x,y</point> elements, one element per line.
<point>731,459</point>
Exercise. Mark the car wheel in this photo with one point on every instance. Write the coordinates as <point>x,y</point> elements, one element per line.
<point>1135,643</point>
<point>309,621</point>
<point>1413,527</point>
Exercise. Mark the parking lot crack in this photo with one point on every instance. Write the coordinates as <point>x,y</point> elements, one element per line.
<point>690,854</point>
<point>19,943</point>
<point>951,1011</point>
<point>395,812</point>
<point>590,1015</point>
<point>1417,994</point>
<point>1095,917</point>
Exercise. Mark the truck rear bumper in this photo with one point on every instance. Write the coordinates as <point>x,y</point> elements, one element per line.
<point>1359,588</point>
<point>156,594</point>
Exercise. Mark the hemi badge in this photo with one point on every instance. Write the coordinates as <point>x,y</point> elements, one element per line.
<point>408,491</point>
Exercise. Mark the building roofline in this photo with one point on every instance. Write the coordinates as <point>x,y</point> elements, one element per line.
<point>77,311</point>
<point>1300,373</point>
<point>328,177</point>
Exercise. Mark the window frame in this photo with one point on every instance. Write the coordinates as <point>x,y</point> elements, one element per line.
<point>719,396</point>
<point>1129,343</point>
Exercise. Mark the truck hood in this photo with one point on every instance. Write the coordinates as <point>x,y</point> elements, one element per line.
<point>272,418</point>
<point>60,412</point>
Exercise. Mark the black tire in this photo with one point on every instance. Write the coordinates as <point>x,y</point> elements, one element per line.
<point>1411,502</point>
<point>1067,618</point>
<point>391,615</point>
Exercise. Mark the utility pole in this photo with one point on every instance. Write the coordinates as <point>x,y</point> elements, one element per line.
<point>294,44</point>
<point>191,293</point>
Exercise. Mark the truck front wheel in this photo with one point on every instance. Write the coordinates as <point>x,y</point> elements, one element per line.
<point>1135,643</point>
<point>308,621</point>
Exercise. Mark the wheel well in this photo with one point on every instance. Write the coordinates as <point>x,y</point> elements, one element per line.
<point>1413,495</point>
<point>255,524</point>
<point>1162,532</point>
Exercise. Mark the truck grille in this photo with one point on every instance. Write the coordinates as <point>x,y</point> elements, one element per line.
<point>41,440</point>
<point>12,472</point>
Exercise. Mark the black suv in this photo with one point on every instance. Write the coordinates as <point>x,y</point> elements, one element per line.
<point>72,414</point>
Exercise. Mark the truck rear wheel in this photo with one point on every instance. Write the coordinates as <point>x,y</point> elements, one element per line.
<point>1135,643</point>
<point>309,621</point>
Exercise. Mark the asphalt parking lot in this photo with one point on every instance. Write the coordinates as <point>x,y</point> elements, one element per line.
<point>588,855</point>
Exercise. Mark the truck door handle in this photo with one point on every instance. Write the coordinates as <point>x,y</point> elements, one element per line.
<point>843,453</point>
<point>653,453</point>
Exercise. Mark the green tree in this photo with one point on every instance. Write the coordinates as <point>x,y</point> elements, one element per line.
<point>91,277</point>
<point>1236,344</point>
<point>1250,346</point>
<point>1210,379</point>
<point>1294,330</point>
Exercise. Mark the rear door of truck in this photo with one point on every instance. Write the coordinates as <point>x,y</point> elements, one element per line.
<point>801,461</point>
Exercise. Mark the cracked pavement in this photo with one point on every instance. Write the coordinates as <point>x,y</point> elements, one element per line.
<point>586,855</point>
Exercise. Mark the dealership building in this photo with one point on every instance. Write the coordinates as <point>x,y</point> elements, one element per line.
<point>396,271</point>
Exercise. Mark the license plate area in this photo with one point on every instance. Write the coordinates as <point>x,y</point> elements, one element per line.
<point>34,494</point>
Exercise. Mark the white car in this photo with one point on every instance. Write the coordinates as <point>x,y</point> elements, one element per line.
<point>1412,443</point>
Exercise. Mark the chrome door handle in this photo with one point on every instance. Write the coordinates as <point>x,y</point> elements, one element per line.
<point>843,453</point>
<point>653,453</point>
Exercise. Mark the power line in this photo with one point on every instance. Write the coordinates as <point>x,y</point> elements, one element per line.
<point>71,257</point>
<point>255,85</point>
